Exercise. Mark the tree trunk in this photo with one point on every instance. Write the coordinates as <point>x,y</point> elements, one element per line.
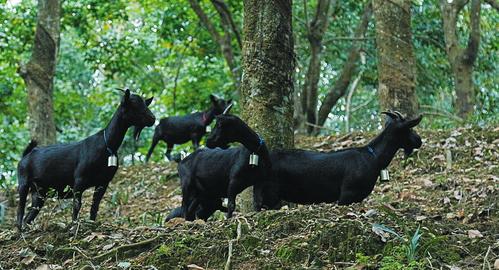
<point>38,73</point>
<point>341,85</point>
<point>396,61</point>
<point>316,30</point>
<point>267,82</point>
<point>461,59</point>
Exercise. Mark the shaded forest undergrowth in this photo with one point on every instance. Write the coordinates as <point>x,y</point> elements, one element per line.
<point>431,214</point>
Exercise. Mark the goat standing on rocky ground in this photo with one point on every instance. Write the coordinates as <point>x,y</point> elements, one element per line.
<point>181,129</point>
<point>211,174</point>
<point>345,176</point>
<point>79,165</point>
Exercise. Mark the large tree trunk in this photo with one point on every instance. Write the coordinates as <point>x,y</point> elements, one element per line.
<point>461,59</point>
<point>315,34</point>
<point>38,73</point>
<point>396,61</point>
<point>224,40</point>
<point>341,85</point>
<point>267,82</point>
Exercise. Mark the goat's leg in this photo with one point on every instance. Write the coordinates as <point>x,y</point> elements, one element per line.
<point>23,194</point>
<point>155,140</point>
<point>258,197</point>
<point>231,196</point>
<point>77,193</point>
<point>191,211</point>
<point>38,200</point>
<point>169,149</point>
<point>347,198</point>
<point>98,194</point>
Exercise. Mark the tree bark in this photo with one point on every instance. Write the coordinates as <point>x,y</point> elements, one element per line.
<point>340,87</point>
<point>396,61</point>
<point>39,72</point>
<point>224,41</point>
<point>316,30</point>
<point>267,81</point>
<point>462,59</point>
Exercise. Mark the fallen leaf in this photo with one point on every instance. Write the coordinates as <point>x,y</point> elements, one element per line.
<point>474,234</point>
<point>49,267</point>
<point>496,264</point>
<point>370,213</point>
<point>419,218</point>
<point>124,265</point>
<point>195,267</point>
<point>108,247</point>
<point>28,259</point>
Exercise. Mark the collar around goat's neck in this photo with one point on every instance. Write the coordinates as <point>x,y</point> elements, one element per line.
<point>371,151</point>
<point>261,143</point>
<point>111,153</point>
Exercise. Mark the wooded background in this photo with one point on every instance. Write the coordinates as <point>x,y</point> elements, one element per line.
<point>338,62</point>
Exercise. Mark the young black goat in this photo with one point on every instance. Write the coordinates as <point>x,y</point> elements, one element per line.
<point>79,165</point>
<point>345,176</point>
<point>181,129</point>
<point>210,174</point>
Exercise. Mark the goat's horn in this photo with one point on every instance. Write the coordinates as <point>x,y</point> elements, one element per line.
<point>228,108</point>
<point>121,89</point>
<point>399,114</point>
<point>389,113</point>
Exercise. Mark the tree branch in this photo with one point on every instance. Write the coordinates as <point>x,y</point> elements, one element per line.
<point>341,85</point>
<point>227,20</point>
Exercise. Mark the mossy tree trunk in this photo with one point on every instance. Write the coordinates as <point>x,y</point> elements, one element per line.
<point>39,72</point>
<point>462,58</point>
<point>396,61</point>
<point>267,81</point>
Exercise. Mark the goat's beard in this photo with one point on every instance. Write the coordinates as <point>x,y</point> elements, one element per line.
<point>136,132</point>
<point>408,152</point>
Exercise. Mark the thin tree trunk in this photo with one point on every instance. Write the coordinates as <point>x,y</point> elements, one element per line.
<point>396,61</point>
<point>39,72</point>
<point>462,59</point>
<point>316,30</point>
<point>340,87</point>
<point>224,41</point>
<point>268,65</point>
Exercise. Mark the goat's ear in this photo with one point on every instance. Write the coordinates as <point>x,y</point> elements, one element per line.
<point>149,101</point>
<point>213,98</point>
<point>227,109</point>
<point>414,122</point>
<point>126,97</point>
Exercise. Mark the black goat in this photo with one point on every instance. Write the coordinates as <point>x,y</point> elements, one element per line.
<point>181,129</point>
<point>79,165</point>
<point>210,174</point>
<point>345,176</point>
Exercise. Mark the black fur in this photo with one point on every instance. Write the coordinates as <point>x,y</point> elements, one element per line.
<point>204,210</point>
<point>181,129</point>
<point>79,165</point>
<point>345,176</point>
<point>210,174</point>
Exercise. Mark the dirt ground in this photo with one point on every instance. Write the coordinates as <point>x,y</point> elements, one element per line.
<point>434,213</point>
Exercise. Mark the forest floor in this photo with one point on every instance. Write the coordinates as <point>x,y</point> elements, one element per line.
<point>430,215</point>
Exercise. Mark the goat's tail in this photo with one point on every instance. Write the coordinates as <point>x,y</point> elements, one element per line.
<point>32,144</point>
